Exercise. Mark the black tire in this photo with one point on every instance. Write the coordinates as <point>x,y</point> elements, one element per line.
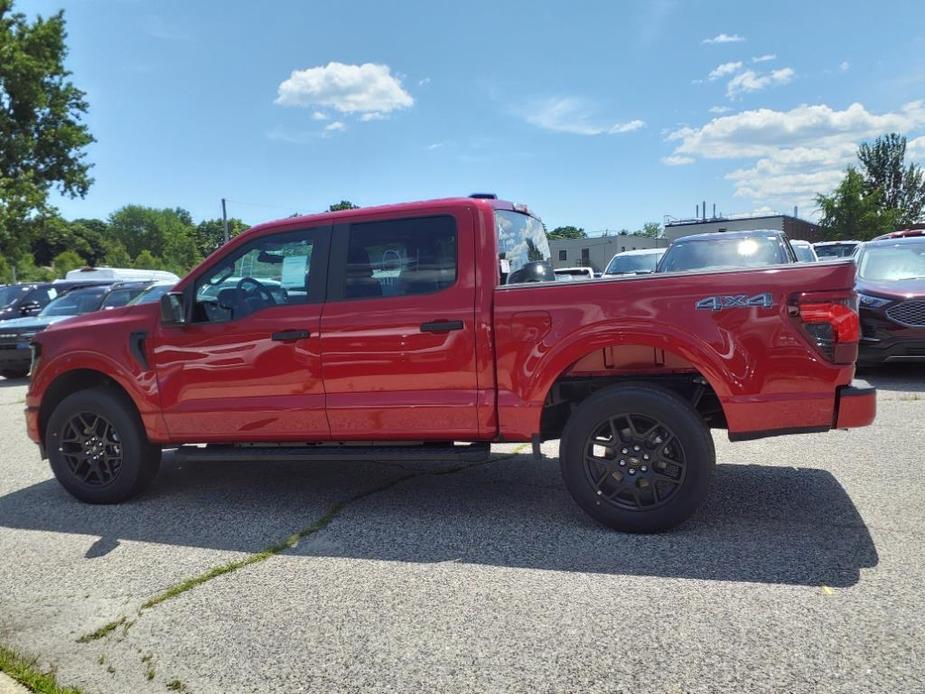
<point>98,449</point>
<point>15,373</point>
<point>671,469</point>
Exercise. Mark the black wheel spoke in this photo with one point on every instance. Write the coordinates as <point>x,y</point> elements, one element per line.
<point>90,446</point>
<point>651,462</point>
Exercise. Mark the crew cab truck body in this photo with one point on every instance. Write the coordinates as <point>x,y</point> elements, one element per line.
<point>413,326</point>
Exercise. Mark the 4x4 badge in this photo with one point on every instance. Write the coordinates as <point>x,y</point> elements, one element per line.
<point>718,303</point>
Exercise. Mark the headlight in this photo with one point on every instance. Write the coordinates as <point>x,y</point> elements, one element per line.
<point>872,301</point>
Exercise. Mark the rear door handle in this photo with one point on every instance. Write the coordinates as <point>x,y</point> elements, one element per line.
<point>290,335</point>
<point>441,326</point>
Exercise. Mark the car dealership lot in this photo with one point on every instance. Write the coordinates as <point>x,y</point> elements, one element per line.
<point>802,572</point>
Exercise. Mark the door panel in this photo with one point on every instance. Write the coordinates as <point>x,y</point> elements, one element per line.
<point>398,332</point>
<point>249,367</point>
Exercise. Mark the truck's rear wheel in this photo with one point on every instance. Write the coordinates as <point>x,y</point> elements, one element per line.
<point>98,449</point>
<point>637,458</point>
<point>15,373</point>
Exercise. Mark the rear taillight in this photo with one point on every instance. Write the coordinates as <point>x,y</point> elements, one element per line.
<point>831,323</point>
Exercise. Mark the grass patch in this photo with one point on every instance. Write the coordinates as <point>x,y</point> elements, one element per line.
<point>176,686</point>
<point>102,631</point>
<point>27,674</point>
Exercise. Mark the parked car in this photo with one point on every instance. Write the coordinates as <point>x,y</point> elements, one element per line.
<point>826,250</point>
<point>574,273</point>
<point>16,334</point>
<point>804,251</point>
<point>727,249</point>
<point>28,298</point>
<point>902,234</point>
<point>638,262</point>
<point>891,295</point>
<point>468,345</point>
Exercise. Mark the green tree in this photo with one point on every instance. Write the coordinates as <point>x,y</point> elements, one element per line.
<point>116,255</point>
<point>42,139</point>
<point>210,233</point>
<point>147,261</point>
<point>66,261</point>
<point>650,229</point>
<point>853,211</point>
<point>342,205</point>
<point>567,232</point>
<point>167,234</point>
<point>902,187</point>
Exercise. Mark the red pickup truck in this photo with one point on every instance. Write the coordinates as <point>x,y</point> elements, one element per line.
<point>403,331</point>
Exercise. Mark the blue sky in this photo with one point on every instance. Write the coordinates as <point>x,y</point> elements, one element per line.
<point>598,114</point>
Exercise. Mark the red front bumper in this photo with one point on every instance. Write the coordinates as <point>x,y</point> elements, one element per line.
<point>855,405</point>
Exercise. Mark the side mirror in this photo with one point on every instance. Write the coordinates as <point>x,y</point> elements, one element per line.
<point>31,309</point>
<point>173,309</point>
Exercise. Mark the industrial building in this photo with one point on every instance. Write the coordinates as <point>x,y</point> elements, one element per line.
<point>596,251</point>
<point>793,226</point>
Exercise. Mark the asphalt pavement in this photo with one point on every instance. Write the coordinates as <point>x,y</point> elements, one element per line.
<point>803,572</point>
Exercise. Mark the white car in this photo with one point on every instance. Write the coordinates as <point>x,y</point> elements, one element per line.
<point>638,262</point>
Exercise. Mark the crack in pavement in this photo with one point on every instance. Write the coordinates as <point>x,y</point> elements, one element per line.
<point>290,542</point>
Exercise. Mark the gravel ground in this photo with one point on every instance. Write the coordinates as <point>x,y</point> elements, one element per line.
<point>801,573</point>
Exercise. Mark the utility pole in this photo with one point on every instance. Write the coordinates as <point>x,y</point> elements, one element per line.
<point>224,223</point>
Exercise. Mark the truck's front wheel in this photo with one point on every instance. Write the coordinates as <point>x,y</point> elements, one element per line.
<point>98,449</point>
<point>637,458</point>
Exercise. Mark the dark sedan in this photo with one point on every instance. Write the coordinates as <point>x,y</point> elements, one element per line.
<point>891,296</point>
<point>727,249</point>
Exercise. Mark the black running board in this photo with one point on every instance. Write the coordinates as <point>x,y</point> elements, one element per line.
<point>469,453</point>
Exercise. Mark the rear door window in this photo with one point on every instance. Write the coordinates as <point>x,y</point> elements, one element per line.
<point>400,257</point>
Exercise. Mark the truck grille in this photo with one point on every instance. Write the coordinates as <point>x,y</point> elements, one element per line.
<point>911,313</point>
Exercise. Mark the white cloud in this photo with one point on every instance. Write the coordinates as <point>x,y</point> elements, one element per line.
<point>424,82</point>
<point>719,109</point>
<point>844,65</point>
<point>375,115</point>
<point>435,145</point>
<point>724,69</point>
<point>915,149</point>
<point>797,153</point>
<point>348,89</point>
<point>627,127</point>
<point>725,38</point>
<point>751,81</point>
<point>318,115</point>
<point>677,160</point>
<point>336,125</point>
<point>764,58</point>
<point>575,116</point>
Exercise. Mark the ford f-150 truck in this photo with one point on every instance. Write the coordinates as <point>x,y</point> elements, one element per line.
<point>430,330</point>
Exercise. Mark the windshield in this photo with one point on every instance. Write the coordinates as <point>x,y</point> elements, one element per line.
<point>9,294</point>
<point>838,250</point>
<point>723,253</point>
<point>75,303</point>
<point>804,252</point>
<point>151,294</point>
<point>522,240</point>
<point>904,261</point>
<point>120,297</point>
<point>625,264</point>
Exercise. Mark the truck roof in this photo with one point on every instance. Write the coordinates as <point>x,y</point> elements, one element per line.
<point>390,209</point>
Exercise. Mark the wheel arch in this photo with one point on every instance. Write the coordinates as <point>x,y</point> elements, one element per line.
<point>73,381</point>
<point>602,355</point>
